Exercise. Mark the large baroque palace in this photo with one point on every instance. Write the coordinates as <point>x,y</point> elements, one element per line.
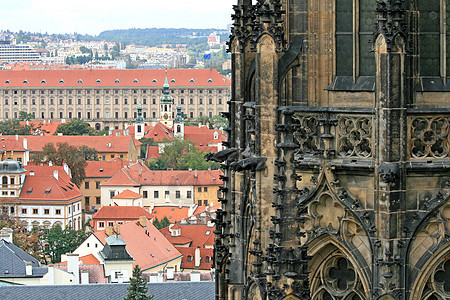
<point>337,176</point>
<point>110,98</point>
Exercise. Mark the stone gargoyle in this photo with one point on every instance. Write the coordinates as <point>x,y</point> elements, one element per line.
<point>252,163</point>
<point>221,156</point>
<point>388,172</point>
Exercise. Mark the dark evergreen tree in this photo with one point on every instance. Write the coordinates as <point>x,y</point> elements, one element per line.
<point>138,286</point>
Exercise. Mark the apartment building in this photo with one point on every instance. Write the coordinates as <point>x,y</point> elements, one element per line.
<point>110,98</point>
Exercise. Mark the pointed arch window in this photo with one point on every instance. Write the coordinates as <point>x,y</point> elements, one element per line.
<point>354,55</point>
<point>434,38</point>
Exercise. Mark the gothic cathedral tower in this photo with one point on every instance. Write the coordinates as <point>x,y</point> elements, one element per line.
<point>337,172</point>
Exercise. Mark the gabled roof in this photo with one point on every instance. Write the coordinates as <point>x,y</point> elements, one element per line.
<point>200,234</point>
<point>86,260</point>
<point>173,213</point>
<point>104,168</point>
<point>127,194</point>
<point>9,143</point>
<point>190,252</point>
<point>44,188</point>
<point>13,262</point>
<point>107,78</point>
<point>146,245</point>
<point>160,133</point>
<point>121,213</point>
<point>203,136</point>
<point>45,170</point>
<point>140,174</point>
<point>152,152</point>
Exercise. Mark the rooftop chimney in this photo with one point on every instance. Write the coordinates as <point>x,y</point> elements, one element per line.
<point>197,257</point>
<point>117,229</point>
<point>31,173</point>
<point>195,174</point>
<point>55,174</point>
<point>28,268</point>
<point>25,144</point>
<point>73,266</point>
<point>143,221</point>
<point>6,234</point>
<point>109,230</point>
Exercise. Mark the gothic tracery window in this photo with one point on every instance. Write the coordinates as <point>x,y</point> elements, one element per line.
<point>353,48</point>
<point>337,279</point>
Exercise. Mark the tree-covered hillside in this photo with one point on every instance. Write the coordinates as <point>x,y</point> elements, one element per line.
<point>157,36</point>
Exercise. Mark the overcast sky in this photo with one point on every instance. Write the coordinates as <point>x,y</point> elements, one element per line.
<point>95,16</point>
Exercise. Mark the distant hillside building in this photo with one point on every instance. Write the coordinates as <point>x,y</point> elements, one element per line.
<point>10,52</point>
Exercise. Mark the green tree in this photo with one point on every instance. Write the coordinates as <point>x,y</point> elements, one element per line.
<point>28,241</point>
<point>165,222</point>
<point>156,223</point>
<point>146,142</point>
<point>88,153</point>
<point>63,153</point>
<point>13,127</point>
<point>24,116</point>
<point>59,241</point>
<point>75,127</point>
<point>197,161</point>
<point>138,286</point>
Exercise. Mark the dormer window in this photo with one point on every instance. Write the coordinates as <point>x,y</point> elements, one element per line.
<point>98,81</point>
<point>172,80</point>
<point>80,81</point>
<point>25,81</point>
<point>209,80</point>
<point>192,80</point>
<point>135,80</point>
<point>48,190</point>
<point>7,81</point>
<point>117,80</point>
<point>154,81</point>
<point>61,81</point>
<point>43,81</point>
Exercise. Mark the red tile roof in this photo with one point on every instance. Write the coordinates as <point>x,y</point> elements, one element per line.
<point>140,174</point>
<point>9,143</point>
<point>190,252</point>
<point>103,144</point>
<point>160,133</point>
<point>45,170</point>
<point>121,213</point>
<point>200,234</point>
<point>43,127</point>
<point>153,152</point>
<point>147,246</point>
<point>107,78</point>
<point>173,213</point>
<point>104,168</point>
<point>45,188</point>
<point>127,194</point>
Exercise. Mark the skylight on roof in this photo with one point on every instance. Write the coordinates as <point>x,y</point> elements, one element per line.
<point>192,80</point>
<point>98,80</point>
<point>48,190</point>
<point>135,80</point>
<point>43,81</point>
<point>168,249</point>
<point>61,81</point>
<point>152,255</point>
<point>117,80</point>
<point>29,190</point>
<point>154,80</point>
<point>80,81</point>
<point>7,81</point>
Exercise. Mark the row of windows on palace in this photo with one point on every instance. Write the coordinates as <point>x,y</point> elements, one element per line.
<point>115,91</point>
<point>108,102</point>
<point>98,115</point>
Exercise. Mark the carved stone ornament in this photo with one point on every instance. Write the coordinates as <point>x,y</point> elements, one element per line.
<point>430,137</point>
<point>354,137</point>
<point>388,172</point>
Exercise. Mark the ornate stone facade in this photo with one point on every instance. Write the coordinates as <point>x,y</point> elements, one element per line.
<point>337,175</point>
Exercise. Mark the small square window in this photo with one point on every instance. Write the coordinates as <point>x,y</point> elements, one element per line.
<point>101,224</point>
<point>24,211</point>
<point>199,189</point>
<point>57,212</point>
<point>46,211</point>
<point>35,211</point>
<point>156,194</point>
<point>177,194</point>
